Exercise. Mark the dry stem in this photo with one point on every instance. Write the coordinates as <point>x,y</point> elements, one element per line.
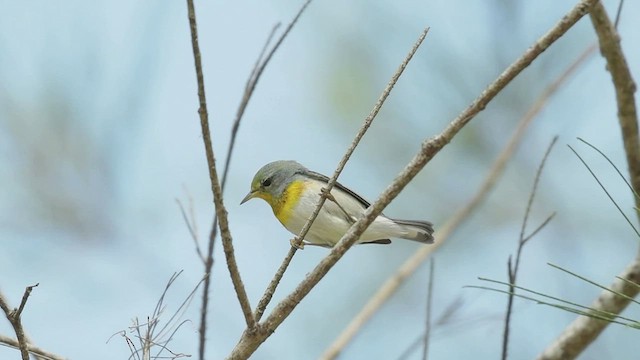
<point>15,318</point>
<point>221,211</point>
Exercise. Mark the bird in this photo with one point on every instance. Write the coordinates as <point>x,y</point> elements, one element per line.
<point>293,192</point>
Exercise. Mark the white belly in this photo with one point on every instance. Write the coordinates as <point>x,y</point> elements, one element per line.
<point>332,222</point>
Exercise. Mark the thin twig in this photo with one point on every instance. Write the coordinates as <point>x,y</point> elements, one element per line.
<point>571,307</point>
<point>252,82</point>
<point>540,227</point>
<point>191,226</point>
<point>627,297</point>
<point>326,191</point>
<point>250,87</point>
<point>604,188</point>
<point>221,212</point>
<point>427,332</point>
<point>409,267</point>
<point>444,319</point>
<point>14,317</point>
<point>33,350</point>
<point>512,268</point>
<point>612,164</point>
<point>250,341</point>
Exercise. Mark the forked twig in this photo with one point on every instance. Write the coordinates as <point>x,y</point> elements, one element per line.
<point>15,318</point>
<point>512,268</point>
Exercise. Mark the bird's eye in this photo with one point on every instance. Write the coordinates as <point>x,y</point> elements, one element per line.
<point>266,182</point>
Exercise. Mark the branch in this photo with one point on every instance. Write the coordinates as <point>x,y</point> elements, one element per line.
<point>221,211</point>
<point>33,350</point>
<point>409,267</point>
<point>250,341</point>
<point>266,298</point>
<point>625,88</point>
<point>250,86</point>
<point>14,317</point>
<point>584,330</point>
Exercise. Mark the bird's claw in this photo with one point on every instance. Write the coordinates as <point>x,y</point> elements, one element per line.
<point>296,245</point>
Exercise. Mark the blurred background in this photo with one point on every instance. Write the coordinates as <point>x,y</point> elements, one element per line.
<point>99,135</point>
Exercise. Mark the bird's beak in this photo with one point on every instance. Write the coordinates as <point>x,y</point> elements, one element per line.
<point>249,196</point>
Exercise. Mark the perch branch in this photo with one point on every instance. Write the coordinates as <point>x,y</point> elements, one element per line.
<point>266,298</point>
<point>410,266</point>
<point>250,340</point>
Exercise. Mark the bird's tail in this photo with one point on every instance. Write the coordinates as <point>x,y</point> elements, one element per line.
<point>420,231</point>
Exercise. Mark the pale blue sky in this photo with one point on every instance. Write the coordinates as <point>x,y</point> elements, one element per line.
<point>99,135</point>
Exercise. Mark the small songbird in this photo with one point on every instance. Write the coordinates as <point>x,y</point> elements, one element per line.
<point>293,191</point>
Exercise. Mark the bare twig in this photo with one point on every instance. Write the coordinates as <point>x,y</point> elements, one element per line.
<point>326,191</point>
<point>444,319</point>
<point>221,212</point>
<point>411,264</point>
<point>250,340</point>
<point>612,164</point>
<point>584,330</point>
<point>427,332</point>
<point>252,82</point>
<point>33,350</point>
<point>604,188</point>
<point>250,86</point>
<point>512,268</point>
<point>14,317</point>
<point>190,220</point>
<point>150,334</point>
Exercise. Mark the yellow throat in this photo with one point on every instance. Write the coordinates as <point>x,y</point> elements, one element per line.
<point>283,206</point>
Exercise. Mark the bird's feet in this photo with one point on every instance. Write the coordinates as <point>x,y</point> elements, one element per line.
<point>295,244</point>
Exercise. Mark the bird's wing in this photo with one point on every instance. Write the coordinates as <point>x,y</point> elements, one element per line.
<point>324,179</point>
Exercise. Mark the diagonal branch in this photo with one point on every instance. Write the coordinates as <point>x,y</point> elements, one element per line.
<point>266,298</point>
<point>411,265</point>
<point>250,340</point>
<point>221,211</point>
<point>252,82</point>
